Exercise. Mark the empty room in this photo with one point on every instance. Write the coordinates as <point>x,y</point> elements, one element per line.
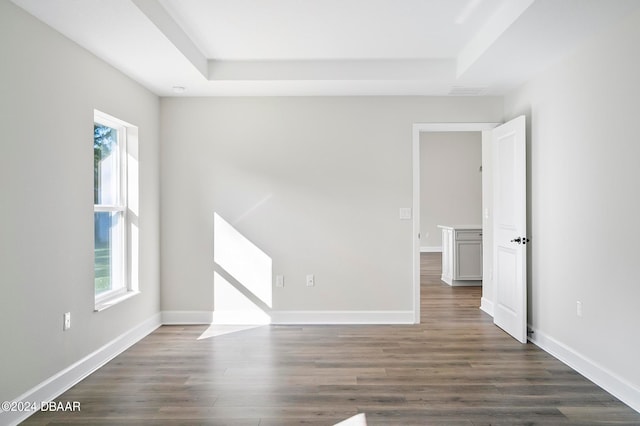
<point>256,239</point>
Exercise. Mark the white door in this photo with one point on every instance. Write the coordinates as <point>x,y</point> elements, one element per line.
<point>510,225</point>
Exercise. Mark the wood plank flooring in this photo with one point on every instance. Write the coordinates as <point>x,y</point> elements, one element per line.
<point>455,368</point>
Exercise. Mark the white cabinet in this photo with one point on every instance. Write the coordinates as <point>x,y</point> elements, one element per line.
<point>462,255</point>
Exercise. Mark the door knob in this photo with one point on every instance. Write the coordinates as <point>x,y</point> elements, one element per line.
<point>517,240</point>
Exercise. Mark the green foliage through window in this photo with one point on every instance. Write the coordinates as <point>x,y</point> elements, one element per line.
<point>104,141</point>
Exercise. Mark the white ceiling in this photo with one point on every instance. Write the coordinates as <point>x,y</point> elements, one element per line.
<point>328,29</point>
<point>329,47</point>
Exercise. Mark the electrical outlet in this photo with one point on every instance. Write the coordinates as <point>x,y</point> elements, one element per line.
<point>67,321</point>
<point>579,308</point>
<point>310,281</point>
<point>279,280</point>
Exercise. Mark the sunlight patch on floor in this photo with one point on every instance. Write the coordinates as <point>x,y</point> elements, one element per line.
<point>357,420</point>
<point>222,329</point>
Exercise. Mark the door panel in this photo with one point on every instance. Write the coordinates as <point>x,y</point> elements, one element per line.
<point>509,215</point>
<point>507,298</point>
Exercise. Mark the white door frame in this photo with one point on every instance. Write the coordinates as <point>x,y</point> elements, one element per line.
<point>417,129</point>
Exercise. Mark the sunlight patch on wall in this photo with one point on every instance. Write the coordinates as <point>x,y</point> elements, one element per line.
<point>231,306</point>
<point>242,278</point>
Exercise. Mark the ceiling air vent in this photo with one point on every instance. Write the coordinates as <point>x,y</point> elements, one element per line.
<point>467,91</point>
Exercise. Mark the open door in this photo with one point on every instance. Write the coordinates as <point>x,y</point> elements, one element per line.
<point>509,227</point>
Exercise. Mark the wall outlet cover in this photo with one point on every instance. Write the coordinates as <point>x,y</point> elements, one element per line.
<point>67,321</point>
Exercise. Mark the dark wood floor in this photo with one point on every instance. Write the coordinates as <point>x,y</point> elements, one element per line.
<point>455,368</point>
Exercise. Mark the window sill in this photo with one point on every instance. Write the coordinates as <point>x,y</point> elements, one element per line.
<point>106,304</point>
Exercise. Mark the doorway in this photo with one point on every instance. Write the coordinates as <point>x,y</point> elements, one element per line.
<point>450,184</point>
<point>418,129</point>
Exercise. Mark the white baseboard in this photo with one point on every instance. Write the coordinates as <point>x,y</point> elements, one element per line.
<point>464,283</point>
<point>187,317</point>
<point>57,384</point>
<point>431,249</point>
<point>342,317</point>
<point>240,318</point>
<point>214,317</point>
<point>615,385</point>
<point>286,317</point>
<point>486,305</point>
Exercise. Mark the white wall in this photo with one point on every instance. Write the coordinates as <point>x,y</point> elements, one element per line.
<point>50,87</point>
<point>584,205</point>
<point>450,182</point>
<point>316,183</point>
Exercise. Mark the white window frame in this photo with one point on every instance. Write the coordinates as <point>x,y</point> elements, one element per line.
<point>123,284</point>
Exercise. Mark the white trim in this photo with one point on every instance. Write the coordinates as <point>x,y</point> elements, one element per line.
<point>122,262</point>
<point>486,305</point>
<point>70,376</point>
<point>286,317</point>
<point>240,318</point>
<point>416,130</point>
<point>109,120</point>
<point>415,149</point>
<point>342,317</point>
<point>612,383</point>
<point>454,127</point>
<point>114,299</point>
<point>431,249</point>
<point>187,317</point>
<point>108,208</point>
<point>464,283</point>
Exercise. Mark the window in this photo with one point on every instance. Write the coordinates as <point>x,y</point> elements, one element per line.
<point>112,224</point>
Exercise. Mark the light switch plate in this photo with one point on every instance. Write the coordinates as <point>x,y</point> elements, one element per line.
<point>405,213</point>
